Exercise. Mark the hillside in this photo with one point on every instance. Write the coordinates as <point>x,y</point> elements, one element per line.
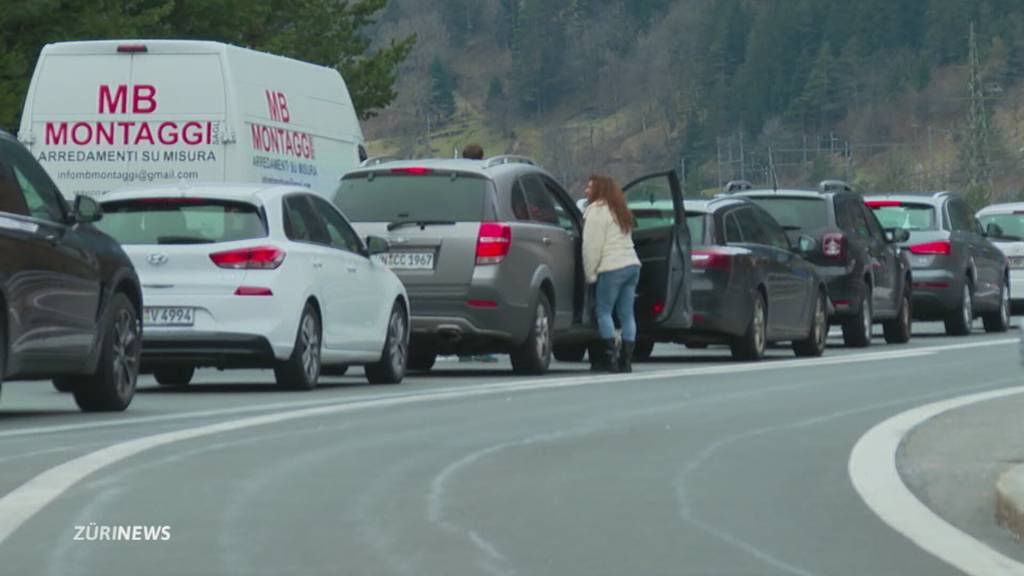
<point>873,91</point>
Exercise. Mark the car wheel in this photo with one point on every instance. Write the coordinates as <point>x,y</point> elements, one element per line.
<point>570,352</point>
<point>301,370</point>
<point>897,330</point>
<point>814,344</point>
<point>336,370</point>
<point>174,375</point>
<point>959,321</point>
<point>112,387</point>
<point>534,355</point>
<point>421,358</point>
<point>999,321</point>
<point>643,350</point>
<point>857,330</point>
<point>393,360</point>
<point>751,345</point>
<point>64,383</point>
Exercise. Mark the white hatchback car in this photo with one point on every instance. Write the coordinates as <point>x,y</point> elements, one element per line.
<point>250,276</point>
<point>1004,225</point>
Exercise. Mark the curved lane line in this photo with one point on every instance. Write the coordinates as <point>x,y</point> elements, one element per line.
<point>22,503</point>
<point>872,468</point>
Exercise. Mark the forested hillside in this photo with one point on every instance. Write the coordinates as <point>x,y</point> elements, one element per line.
<point>876,91</point>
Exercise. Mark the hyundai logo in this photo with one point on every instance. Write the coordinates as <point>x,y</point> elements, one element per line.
<point>157,259</point>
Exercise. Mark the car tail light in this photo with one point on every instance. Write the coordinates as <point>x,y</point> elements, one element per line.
<point>481,303</point>
<point>883,203</point>
<point>253,291</point>
<point>493,242</point>
<point>940,248</point>
<point>414,171</point>
<point>261,258</point>
<point>833,245</point>
<point>703,259</point>
<point>132,48</point>
<point>657,308</point>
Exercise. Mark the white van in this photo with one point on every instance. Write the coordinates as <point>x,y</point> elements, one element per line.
<point>101,115</point>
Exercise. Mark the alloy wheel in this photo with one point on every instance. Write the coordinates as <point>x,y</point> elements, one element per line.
<point>820,323</point>
<point>399,341</point>
<point>759,326</point>
<point>542,331</point>
<point>968,307</point>
<point>865,312</point>
<point>310,341</point>
<point>125,352</point>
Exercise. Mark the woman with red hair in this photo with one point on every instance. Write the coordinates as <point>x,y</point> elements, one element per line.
<point>610,261</point>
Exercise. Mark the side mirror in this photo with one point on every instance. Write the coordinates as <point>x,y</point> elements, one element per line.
<point>994,230</point>
<point>806,245</point>
<point>377,245</point>
<point>87,209</point>
<point>897,235</point>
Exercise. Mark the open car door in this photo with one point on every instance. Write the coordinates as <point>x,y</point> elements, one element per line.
<point>662,242</point>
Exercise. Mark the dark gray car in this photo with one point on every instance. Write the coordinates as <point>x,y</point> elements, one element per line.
<point>750,288</point>
<point>490,254</point>
<point>958,274</point>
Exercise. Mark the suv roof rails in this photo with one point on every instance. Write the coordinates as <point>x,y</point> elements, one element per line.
<point>737,186</point>
<point>508,159</point>
<point>834,186</point>
<point>374,161</point>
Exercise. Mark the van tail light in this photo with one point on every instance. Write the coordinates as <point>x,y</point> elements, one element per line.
<point>261,258</point>
<point>833,245</point>
<point>711,258</point>
<point>493,243</point>
<point>132,48</point>
<point>940,248</point>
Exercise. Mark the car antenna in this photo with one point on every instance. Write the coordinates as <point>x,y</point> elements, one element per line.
<point>771,170</point>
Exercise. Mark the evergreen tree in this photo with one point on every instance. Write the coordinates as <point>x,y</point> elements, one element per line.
<point>442,90</point>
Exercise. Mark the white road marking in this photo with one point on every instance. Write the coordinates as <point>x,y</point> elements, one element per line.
<point>22,503</point>
<point>872,468</point>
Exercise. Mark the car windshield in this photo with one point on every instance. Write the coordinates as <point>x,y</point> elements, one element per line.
<point>795,214</point>
<point>906,216</point>
<point>1012,225</point>
<point>432,197</point>
<point>647,214</point>
<point>181,221</point>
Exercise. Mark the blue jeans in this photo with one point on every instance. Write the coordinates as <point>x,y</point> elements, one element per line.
<point>617,290</point>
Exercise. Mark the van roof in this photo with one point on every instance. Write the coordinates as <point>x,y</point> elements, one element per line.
<point>157,47</point>
<point>239,191</point>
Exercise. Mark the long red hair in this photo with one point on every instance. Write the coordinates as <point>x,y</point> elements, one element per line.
<point>605,188</point>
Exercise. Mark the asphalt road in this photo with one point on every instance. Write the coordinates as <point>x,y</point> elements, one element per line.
<point>692,465</point>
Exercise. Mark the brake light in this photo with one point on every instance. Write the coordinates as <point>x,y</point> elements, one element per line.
<point>833,245</point>
<point>703,259</point>
<point>253,291</point>
<point>481,303</point>
<point>940,248</point>
<point>414,171</point>
<point>170,201</point>
<point>883,203</point>
<point>657,308</point>
<point>132,48</point>
<point>261,258</point>
<point>493,242</point>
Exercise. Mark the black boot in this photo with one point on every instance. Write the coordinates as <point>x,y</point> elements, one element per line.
<point>626,357</point>
<point>598,356</point>
<point>612,353</point>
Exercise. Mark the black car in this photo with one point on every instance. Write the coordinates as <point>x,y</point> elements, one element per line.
<point>959,274</point>
<point>868,277</point>
<point>749,286</point>
<point>71,296</point>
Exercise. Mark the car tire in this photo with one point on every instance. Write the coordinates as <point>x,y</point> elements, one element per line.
<point>390,369</point>
<point>64,384</point>
<point>570,352</point>
<point>112,387</point>
<point>999,321</point>
<point>301,371</point>
<point>643,349</point>
<point>817,337</point>
<point>174,375</point>
<point>960,320</point>
<point>697,345</point>
<point>751,346</point>
<point>534,355</point>
<point>898,329</point>
<point>857,330</point>
<point>336,370</point>
<point>421,358</point>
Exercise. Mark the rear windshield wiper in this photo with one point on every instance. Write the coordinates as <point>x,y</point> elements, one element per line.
<point>421,223</point>
<point>182,240</point>
<point>792,228</point>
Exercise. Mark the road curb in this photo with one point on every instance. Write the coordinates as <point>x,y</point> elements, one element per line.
<point>1010,500</point>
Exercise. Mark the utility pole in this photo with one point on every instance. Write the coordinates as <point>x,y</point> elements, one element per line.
<point>743,162</point>
<point>977,159</point>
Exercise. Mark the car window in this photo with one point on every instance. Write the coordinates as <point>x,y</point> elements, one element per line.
<point>342,235</point>
<point>772,231</point>
<point>181,221</point>
<point>907,216</point>
<point>519,208</point>
<point>796,214</point>
<point>748,223</point>
<point>695,222</point>
<point>733,234</point>
<point>11,200</point>
<point>651,202</point>
<point>850,217</point>
<point>960,217</point>
<point>39,192</point>
<point>539,202</point>
<point>398,196</point>
<point>1012,224</point>
<point>565,219</point>
<point>301,222</point>
<point>874,228</point>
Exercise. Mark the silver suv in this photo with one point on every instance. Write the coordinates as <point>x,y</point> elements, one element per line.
<point>489,251</point>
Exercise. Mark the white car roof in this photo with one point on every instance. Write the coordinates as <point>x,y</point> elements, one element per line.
<point>1002,208</point>
<point>221,191</point>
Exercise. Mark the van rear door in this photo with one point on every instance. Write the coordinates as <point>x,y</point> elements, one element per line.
<point>662,242</point>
